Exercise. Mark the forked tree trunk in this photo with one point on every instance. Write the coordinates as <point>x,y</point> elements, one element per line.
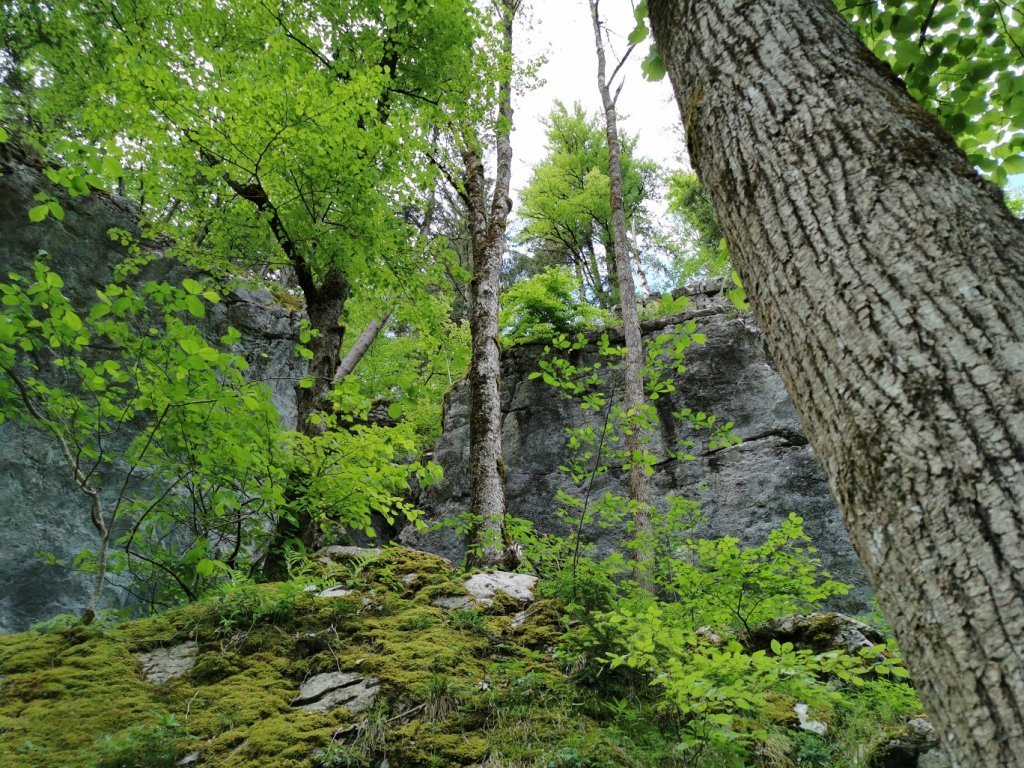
<point>633,399</point>
<point>889,281</point>
<point>488,224</point>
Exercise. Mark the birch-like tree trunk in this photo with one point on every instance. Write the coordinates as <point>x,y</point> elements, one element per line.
<point>488,223</point>
<point>889,281</point>
<point>633,399</point>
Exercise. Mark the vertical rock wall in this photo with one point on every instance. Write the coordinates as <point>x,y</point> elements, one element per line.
<point>744,491</point>
<point>41,510</point>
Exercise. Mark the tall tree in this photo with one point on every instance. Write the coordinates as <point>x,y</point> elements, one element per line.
<point>288,135</point>
<point>488,225</point>
<point>566,203</point>
<point>634,401</point>
<point>889,280</point>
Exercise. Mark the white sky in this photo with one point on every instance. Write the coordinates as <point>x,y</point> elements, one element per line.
<point>562,31</point>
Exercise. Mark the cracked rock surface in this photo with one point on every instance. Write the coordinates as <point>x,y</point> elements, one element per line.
<point>337,689</point>
<point>744,491</point>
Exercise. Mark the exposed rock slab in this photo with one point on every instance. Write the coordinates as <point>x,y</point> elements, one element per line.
<point>164,664</point>
<point>335,592</point>
<point>917,746</point>
<point>321,693</point>
<point>819,632</point>
<point>341,553</point>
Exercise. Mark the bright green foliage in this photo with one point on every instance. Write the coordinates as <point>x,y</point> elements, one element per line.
<point>544,305</point>
<point>962,61</point>
<point>704,253</point>
<point>1015,202</point>
<point>722,584</point>
<point>342,477</point>
<point>411,365</point>
<point>566,206</point>
<point>203,436</point>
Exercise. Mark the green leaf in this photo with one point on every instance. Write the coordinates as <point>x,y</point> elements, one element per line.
<point>73,321</point>
<point>195,306</point>
<point>638,35</point>
<point>653,67</point>
<point>192,286</point>
<point>1014,165</point>
<point>55,210</point>
<point>38,213</point>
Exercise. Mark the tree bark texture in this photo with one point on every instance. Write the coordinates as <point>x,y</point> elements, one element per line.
<point>633,398</point>
<point>488,223</point>
<point>889,281</point>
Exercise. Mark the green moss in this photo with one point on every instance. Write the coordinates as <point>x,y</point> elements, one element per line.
<point>456,688</point>
<point>422,744</point>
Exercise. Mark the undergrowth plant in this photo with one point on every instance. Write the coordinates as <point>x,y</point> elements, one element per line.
<point>680,652</point>
<point>174,454</point>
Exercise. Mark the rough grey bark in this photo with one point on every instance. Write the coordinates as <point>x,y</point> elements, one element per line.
<point>633,398</point>
<point>488,223</point>
<point>889,280</point>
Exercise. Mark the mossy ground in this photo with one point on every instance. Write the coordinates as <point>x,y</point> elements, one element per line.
<point>457,688</point>
<point>467,687</point>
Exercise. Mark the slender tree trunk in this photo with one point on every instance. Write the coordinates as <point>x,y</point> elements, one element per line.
<point>361,346</point>
<point>889,280</point>
<point>633,398</point>
<point>488,224</point>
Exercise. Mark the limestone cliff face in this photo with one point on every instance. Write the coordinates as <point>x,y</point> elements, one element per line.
<point>744,491</point>
<point>41,509</point>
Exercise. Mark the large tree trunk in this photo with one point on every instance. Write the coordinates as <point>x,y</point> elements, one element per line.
<point>488,224</point>
<point>633,398</point>
<point>889,280</point>
<point>324,306</point>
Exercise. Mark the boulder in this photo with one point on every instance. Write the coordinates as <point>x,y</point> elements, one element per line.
<point>484,586</point>
<point>43,510</point>
<point>916,747</point>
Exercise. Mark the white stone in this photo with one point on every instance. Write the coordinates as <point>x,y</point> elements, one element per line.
<point>163,664</point>
<point>484,586</point>
<point>814,726</point>
<point>335,592</point>
<point>452,602</point>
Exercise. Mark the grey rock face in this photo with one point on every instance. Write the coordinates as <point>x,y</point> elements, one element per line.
<point>744,491</point>
<point>42,509</point>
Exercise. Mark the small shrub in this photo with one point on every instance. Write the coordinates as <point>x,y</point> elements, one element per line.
<point>468,620</point>
<point>152,745</point>
<point>338,756</point>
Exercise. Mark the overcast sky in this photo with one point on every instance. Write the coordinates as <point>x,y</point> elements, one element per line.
<point>561,30</point>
